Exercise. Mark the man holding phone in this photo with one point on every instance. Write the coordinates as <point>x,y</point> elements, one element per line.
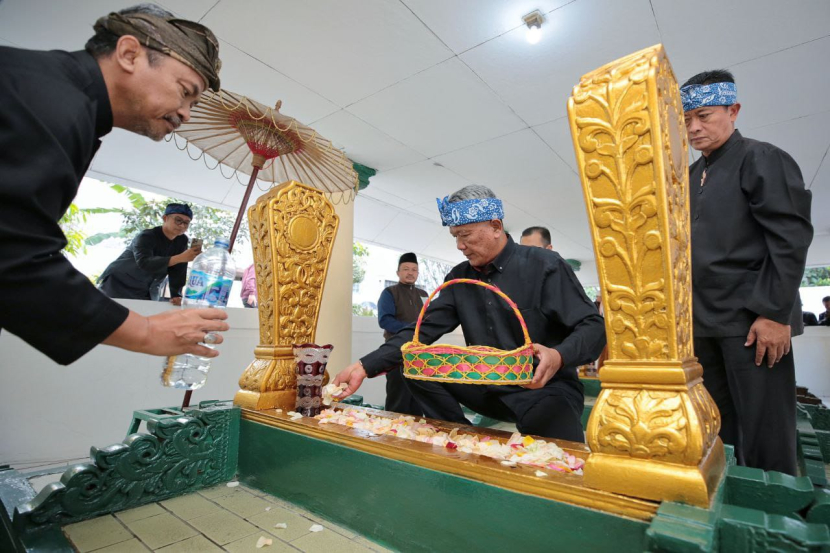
<point>152,255</point>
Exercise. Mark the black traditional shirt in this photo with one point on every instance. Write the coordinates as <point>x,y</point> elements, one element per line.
<point>750,234</point>
<point>550,298</point>
<point>141,268</point>
<point>54,108</point>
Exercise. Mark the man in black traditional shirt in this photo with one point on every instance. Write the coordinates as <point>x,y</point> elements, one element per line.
<point>751,229</point>
<point>142,71</point>
<point>152,255</point>
<point>565,326</point>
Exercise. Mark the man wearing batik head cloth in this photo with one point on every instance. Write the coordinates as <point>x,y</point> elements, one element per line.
<point>563,323</point>
<point>142,71</point>
<point>751,229</point>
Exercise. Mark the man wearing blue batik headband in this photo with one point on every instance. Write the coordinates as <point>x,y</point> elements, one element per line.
<point>751,229</point>
<point>563,323</point>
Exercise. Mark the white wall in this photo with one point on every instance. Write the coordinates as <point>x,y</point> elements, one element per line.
<point>812,360</point>
<point>50,412</point>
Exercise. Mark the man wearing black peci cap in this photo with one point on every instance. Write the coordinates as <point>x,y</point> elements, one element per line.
<point>152,255</point>
<point>398,307</point>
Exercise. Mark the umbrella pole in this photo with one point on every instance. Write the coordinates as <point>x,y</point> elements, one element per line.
<point>242,207</point>
<point>188,394</point>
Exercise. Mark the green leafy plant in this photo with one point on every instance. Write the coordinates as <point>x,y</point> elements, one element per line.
<point>209,223</point>
<point>816,276</point>
<point>359,255</point>
<point>72,226</point>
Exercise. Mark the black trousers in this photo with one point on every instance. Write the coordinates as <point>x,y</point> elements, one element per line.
<point>757,404</point>
<point>554,411</point>
<point>398,397</point>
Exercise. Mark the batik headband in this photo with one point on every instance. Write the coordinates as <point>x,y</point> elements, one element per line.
<point>188,42</point>
<point>716,94</point>
<point>465,212</point>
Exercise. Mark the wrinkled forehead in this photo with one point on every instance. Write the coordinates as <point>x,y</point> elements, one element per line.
<point>408,266</point>
<point>469,227</point>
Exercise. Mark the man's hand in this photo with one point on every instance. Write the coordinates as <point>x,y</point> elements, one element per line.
<point>173,332</point>
<point>353,376</point>
<point>770,338</point>
<point>549,362</point>
<point>186,256</point>
<point>252,301</point>
<point>176,301</point>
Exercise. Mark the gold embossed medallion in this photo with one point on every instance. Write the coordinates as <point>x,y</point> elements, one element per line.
<point>293,228</point>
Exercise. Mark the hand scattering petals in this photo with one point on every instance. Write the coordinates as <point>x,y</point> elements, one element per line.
<point>330,390</point>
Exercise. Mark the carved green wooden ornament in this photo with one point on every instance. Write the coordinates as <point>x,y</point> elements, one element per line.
<point>178,456</point>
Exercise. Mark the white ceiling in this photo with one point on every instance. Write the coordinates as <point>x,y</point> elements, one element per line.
<point>438,94</point>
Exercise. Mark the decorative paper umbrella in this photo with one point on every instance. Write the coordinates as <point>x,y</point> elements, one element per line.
<point>259,141</point>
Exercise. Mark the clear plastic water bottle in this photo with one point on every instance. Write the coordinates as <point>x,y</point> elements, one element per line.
<point>208,285</point>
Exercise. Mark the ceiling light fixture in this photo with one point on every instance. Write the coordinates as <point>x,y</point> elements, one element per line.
<point>534,20</point>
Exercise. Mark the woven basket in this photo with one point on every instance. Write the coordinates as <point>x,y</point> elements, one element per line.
<point>470,364</point>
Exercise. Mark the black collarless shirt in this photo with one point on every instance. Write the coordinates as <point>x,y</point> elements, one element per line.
<point>550,298</point>
<point>54,109</point>
<point>143,265</point>
<point>751,230</point>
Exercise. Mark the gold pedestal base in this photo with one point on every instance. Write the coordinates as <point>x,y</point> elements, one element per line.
<point>650,479</point>
<point>259,401</point>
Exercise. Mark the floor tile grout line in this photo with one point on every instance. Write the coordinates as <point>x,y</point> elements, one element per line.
<point>199,532</point>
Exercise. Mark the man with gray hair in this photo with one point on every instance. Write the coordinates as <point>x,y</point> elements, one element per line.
<point>563,323</point>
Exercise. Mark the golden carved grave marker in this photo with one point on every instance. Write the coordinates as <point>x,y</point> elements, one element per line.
<point>293,227</point>
<point>653,432</point>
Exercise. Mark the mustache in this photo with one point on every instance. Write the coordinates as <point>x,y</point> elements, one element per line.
<point>174,120</point>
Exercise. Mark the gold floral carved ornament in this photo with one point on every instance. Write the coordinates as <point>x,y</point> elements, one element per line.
<point>653,430</point>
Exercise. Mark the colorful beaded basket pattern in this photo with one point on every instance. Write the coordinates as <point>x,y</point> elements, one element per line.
<point>470,364</point>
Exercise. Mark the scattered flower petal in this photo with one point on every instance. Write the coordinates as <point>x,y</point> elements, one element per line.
<point>263,541</point>
<point>332,392</point>
<point>232,484</point>
<point>281,525</point>
<point>315,528</point>
<point>279,410</point>
<point>517,449</point>
<point>541,473</point>
<point>267,508</point>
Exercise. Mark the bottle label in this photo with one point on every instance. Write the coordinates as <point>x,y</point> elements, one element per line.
<point>213,290</point>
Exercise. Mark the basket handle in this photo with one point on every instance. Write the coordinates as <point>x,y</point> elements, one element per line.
<point>490,287</point>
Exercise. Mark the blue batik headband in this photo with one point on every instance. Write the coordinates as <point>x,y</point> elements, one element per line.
<point>465,212</point>
<point>716,94</point>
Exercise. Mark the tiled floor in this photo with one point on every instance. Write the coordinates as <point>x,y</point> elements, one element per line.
<point>216,519</point>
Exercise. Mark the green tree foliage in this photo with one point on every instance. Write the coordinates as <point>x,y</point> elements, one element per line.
<point>360,254</point>
<point>816,276</point>
<point>208,223</point>
<point>72,226</point>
